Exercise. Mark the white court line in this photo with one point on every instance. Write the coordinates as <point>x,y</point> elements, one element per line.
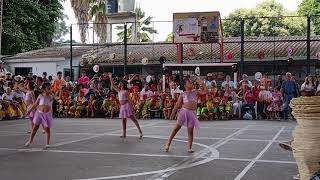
<point>248,167</point>
<point>9,125</point>
<point>100,135</point>
<point>135,154</point>
<point>199,155</point>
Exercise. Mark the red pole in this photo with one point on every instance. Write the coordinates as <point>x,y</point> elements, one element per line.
<point>179,53</point>
<point>221,43</point>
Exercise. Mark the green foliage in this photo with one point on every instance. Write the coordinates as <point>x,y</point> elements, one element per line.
<point>169,37</point>
<point>29,24</point>
<point>61,29</point>
<point>143,28</point>
<point>256,25</point>
<point>311,8</point>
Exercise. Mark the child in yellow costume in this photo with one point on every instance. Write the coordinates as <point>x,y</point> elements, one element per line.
<point>168,106</point>
<point>10,105</point>
<point>134,98</point>
<point>146,108</point>
<point>111,106</point>
<point>91,105</point>
<point>18,97</point>
<point>79,105</point>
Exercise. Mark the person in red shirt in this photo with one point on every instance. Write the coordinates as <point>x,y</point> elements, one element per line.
<point>84,79</point>
<point>249,102</point>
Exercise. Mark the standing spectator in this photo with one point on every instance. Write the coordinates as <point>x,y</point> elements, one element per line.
<point>58,83</point>
<point>3,70</point>
<point>210,82</point>
<point>84,79</point>
<point>245,79</point>
<point>8,77</point>
<point>68,81</point>
<point>105,80</point>
<point>30,75</point>
<point>308,87</point>
<point>289,90</point>
<point>227,82</point>
<point>38,87</point>
<point>136,81</point>
<point>44,77</point>
<point>50,79</point>
<point>174,89</point>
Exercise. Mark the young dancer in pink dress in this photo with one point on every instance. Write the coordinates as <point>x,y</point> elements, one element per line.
<point>126,108</point>
<point>30,100</point>
<point>187,115</point>
<point>43,114</point>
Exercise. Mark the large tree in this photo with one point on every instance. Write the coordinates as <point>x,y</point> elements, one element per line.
<point>143,28</point>
<point>257,25</point>
<point>311,8</point>
<point>28,24</point>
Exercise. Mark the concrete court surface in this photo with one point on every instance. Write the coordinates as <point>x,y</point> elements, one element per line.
<point>91,149</point>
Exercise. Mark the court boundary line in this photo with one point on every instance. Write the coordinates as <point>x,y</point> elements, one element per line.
<point>99,135</point>
<point>250,165</point>
<point>161,176</point>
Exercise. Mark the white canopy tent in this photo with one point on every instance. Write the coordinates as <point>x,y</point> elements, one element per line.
<point>235,74</point>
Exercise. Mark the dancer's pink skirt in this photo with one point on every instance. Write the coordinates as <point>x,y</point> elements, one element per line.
<point>188,118</point>
<point>126,111</point>
<point>45,119</point>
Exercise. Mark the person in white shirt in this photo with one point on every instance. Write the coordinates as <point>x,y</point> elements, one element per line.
<point>3,70</point>
<point>245,78</point>
<point>145,90</point>
<point>227,82</point>
<point>209,81</point>
<point>308,88</point>
<point>174,89</point>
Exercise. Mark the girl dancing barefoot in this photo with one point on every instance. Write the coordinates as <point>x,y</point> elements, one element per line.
<point>187,115</point>
<point>126,109</point>
<point>43,114</point>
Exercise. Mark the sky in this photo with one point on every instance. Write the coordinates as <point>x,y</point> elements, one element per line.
<point>162,10</point>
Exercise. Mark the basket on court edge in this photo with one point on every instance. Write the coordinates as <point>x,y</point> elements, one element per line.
<point>306,136</point>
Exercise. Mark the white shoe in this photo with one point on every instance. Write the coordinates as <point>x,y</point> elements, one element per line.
<point>296,177</point>
<point>27,144</point>
<point>47,146</point>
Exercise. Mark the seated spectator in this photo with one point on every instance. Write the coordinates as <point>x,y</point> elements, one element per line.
<point>79,105</point>
<point>249,101</point>
<point>245,80</point>
<point>227,82</point>
<point>308,87</point>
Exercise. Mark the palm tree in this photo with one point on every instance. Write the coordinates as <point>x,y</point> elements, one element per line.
<point>142,27</point>
<point>100,20</point>
<point>81,10</point>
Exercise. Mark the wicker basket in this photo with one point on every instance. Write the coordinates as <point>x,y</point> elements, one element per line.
<point>306,136</point>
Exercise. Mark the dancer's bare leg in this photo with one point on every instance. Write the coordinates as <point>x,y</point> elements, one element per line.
<point>135,121</point>
<point>190,140</point>
<point>124,128</point>
<point>48,134</point>
<point>33,134</point>
<point>173,134</point>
